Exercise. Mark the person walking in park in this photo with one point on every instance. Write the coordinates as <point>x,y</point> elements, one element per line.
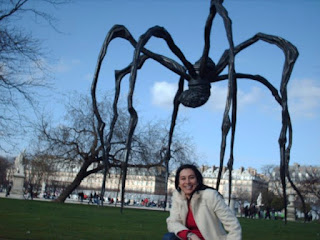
<point>8,190</point>
<point>90,199</point>
<point>30,191</point>
<point>199,211</point>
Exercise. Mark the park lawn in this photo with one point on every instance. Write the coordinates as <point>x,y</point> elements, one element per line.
<point>24,219</point>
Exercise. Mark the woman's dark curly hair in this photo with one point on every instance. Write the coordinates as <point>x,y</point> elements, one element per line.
<point>196,171</point>
<point>199,177</point>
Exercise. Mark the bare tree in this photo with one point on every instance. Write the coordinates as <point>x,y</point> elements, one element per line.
<point>310,187</point>
<point>150,148</point>
<point>307,179</point>
<point>242,195</point>
<point>5,164</point>
<point>38,169</point>
<point>73,142</point>
<point>310,184</point>
<point>22,68</point>
<point>271,172</point>
<point>76,142</point>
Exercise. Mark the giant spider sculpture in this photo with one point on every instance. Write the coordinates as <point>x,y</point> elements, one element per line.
<point>199,76</point>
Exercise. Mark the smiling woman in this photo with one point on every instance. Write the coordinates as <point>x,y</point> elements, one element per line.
<point>187,182</point>
<point>198,210</point>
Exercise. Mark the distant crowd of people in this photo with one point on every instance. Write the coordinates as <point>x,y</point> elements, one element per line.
<point>252,211</point>
<point>249,211</point>
<point>95,198</point>
<point>27,193</point>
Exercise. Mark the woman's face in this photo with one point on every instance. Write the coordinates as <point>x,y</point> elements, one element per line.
<point>188,181</point>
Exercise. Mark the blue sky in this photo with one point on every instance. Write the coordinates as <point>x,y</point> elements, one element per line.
<point>84,25</point>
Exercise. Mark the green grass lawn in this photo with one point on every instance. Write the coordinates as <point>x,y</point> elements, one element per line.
<point>24,219</point>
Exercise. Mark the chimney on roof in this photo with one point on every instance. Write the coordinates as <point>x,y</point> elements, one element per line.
<point>252,171</point>
<point>296,165</point>
<point>203,168</point>
<point>224,169</point>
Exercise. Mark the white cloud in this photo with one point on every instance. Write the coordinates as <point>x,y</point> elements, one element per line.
<point>88,77</point>
<point>304,98</point>
<point>63,66</point>
<point>163,94</point>
<point>250,97</point>
<point>218,97</point>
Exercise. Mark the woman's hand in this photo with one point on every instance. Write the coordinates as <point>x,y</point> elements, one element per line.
<point>194,237</point>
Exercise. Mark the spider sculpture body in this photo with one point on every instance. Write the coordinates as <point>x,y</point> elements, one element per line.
<point>199,76</point>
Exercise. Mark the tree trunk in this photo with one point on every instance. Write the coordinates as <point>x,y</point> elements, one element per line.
<point>166,187</point>
<point>75,183</point>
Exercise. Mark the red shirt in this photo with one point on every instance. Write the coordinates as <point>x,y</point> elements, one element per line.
<point>191,225</point>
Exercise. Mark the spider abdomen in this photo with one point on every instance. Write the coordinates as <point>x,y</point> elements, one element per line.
<point>199,87</point>
<point>197,94</point>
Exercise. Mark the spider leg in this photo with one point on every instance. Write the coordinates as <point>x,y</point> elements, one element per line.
<point>288,174</point>
<point>207,31</point>
<point>176,104</point>
<point>257,78</point>
<point>226,124</point>
<point>119,31</point>
<point>275,93</point>
<point>232,93</point>
<point>119,75</point>
<point>280,42</point>
<point>291,53</point>
<point>159,32</point>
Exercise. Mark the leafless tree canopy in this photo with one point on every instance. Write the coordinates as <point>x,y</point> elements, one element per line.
<point>22,65</point>
<point>307,179</point>
<point>38,169</point>
<point>5,164</point>
<point>75,141</point>
<point>310,185</point>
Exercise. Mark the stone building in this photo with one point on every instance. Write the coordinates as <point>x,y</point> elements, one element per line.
<point>150,183</point>
<point>140,183</point>
<point>244,181</point>
<point>306,179</point>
